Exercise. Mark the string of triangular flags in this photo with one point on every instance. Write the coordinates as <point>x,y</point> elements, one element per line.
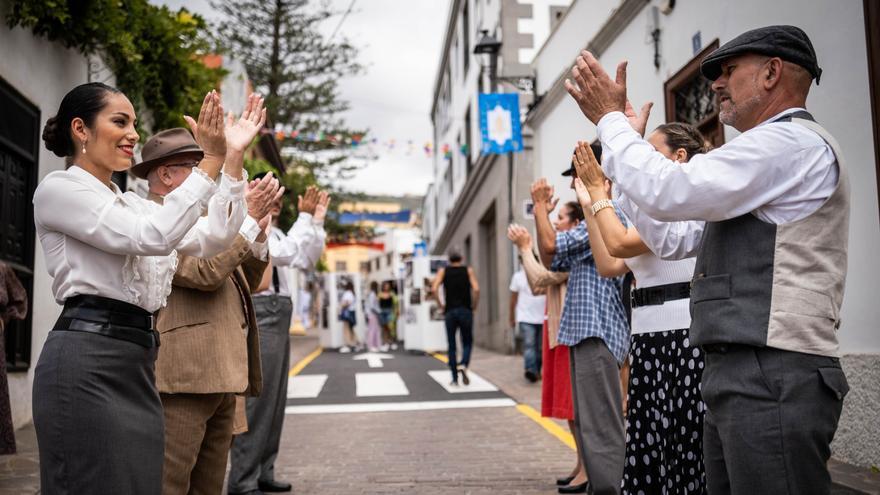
<point>357,140</point>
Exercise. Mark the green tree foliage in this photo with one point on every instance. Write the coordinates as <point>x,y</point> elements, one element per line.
<point>290,60</point>
<point>299,176</point>
<point>297,68</point>
<point>153,52</point>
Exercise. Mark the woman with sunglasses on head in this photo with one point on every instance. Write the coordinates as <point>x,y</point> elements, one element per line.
<point>665,408</point>
<point>97,413</point>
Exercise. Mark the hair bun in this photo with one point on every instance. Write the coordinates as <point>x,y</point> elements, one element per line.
<point>55,141</point>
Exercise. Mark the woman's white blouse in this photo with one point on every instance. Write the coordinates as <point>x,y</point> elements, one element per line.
<point>102,242</point>
<point>651,271</point>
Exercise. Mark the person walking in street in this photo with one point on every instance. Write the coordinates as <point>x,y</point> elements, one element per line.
<point>349,319</point>
<point>527,315</point>
<point>767,215</point>
<point>595,329</point>
<point>664,445</point>
<point>461,293</point>
<point>388,316</point>
<point>254,452</point>
<point>556,400</point>
<point>97,412</point>
<point>206,358</point>
<point>374,330</point>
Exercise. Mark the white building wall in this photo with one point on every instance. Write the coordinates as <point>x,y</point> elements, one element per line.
<point>484,14</point>
<point>538,26</point>
<point>841,103</point>
<point>43,72</point>
<point>580,24</point>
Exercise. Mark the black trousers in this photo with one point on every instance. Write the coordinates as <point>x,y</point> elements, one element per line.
<point>459,319</point>
<point>771,416</point>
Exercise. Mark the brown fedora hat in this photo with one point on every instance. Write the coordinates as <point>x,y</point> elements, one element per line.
<point>172,144</point>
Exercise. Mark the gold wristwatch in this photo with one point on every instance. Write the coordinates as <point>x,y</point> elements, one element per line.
<point>601,205</point>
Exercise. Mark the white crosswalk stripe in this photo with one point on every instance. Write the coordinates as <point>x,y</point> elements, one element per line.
<point>305,386</point>
<point>382,384</point>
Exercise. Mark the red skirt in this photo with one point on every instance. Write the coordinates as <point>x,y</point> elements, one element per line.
<point>555,381</point>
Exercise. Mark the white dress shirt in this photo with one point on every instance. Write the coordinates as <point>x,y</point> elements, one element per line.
<point>99,241</point>
<point>300,248</point>
<point>529,307</point>
<point>779,171</point>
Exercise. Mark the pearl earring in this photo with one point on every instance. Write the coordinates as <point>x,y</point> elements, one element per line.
<point>84,147</point>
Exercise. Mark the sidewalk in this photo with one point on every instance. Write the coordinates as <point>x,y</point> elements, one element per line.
<point>500,450</point>
<point>506,371</point>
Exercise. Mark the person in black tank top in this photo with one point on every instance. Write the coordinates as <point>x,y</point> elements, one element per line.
<point>461,293</point>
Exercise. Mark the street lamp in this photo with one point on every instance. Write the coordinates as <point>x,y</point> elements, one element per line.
<point>489,47</point>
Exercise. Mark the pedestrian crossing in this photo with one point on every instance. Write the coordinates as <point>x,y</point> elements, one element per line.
<point>397,381</point>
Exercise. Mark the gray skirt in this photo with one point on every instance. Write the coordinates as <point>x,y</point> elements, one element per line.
<point>98,416</point>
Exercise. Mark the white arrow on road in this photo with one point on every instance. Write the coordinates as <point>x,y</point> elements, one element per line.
<point>374,360</point>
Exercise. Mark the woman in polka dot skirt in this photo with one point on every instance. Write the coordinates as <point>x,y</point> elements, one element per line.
<point>664,427</point>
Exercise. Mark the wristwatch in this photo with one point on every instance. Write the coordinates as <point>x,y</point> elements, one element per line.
<point>601,205</point>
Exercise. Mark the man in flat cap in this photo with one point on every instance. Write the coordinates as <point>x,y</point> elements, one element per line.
<point>767,216</point>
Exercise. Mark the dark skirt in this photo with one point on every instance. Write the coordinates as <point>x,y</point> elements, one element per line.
<point>98,416</point>
<point>664,423</point>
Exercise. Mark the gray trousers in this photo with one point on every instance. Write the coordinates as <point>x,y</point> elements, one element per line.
<point>98,417</point>
<point>254,452</point>
<point>771,416</point>
<point>598,414</point>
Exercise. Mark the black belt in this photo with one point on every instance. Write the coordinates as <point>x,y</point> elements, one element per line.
<point>659,294</point>
<point>108,317</point>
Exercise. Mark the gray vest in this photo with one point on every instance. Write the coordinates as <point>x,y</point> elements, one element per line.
<point>779,286</point>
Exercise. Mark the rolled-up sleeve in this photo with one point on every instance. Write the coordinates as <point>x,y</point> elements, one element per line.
<point>572,246</point>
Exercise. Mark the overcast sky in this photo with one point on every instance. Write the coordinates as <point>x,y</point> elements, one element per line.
<point>399,42</point>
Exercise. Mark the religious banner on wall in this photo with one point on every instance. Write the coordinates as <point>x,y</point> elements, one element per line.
<point>499,122</point>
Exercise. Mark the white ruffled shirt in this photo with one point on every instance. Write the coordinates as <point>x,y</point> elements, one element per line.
<point>122,246</point>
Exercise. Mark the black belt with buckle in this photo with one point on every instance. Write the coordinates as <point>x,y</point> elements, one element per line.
<point>659,294</point>
<point>108,317</point>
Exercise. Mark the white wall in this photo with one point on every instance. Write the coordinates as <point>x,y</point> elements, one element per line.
<point>580,24</point>
<point>538,26</point>
<point>43,72</point>
<point>840,103</point>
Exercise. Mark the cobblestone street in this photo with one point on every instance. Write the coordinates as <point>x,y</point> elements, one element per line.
<point>478,450</point>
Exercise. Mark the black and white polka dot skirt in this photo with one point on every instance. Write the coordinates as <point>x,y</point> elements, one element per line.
<point>664,427</point>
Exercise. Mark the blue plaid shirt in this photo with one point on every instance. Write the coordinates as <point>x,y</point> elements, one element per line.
<point>592,304</point>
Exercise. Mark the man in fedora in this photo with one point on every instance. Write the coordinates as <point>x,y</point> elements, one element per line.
<point>209,349</point>
<point>767,215</point>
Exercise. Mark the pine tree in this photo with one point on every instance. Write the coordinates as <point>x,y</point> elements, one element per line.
<point>291,62</point>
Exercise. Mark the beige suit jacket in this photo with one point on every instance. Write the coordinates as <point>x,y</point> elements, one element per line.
<point>208,332</point>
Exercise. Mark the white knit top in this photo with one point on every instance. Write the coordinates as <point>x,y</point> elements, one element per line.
<point>650,271</point>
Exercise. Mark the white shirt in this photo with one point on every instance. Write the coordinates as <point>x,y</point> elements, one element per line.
<point>300,248</point>
<point>99,241</point>
<point>780,172</point>
<point>651,271</point>
<point>529,307</point>
<point>347,300</point>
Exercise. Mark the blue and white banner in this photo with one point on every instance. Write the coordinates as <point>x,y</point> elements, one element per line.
<point>499,123</point>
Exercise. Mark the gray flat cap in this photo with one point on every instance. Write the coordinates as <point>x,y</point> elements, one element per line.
<point>789,43</point>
